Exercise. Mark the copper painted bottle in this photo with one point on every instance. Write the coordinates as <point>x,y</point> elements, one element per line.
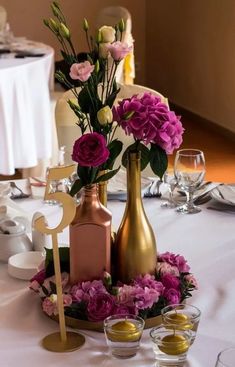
<point>135,246</point>
<point>90,238</point>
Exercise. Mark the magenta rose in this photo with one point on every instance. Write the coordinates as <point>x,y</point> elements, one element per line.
<point>170,281</point>
<point>90,150</point>
<point>100,306</point>
<point>172,296</point>
<point>119,50</point>
<point>81,71</point>
<point>150,121</point>
<point>175,260</point>
<point>40,276</point>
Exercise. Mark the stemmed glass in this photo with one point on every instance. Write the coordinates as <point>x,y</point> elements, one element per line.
<point>189,172</point>
<point>170,180</point>
<point>226,358</point>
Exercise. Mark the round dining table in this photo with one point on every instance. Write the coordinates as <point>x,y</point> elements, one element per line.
<point>205,239</point>
<point>25,112</point>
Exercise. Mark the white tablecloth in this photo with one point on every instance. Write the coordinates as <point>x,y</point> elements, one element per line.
<point>207,240</point>
<point>25,114</point>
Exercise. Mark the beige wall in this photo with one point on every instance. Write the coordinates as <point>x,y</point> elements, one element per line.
<point>25,17</point>
<point>191,55</point>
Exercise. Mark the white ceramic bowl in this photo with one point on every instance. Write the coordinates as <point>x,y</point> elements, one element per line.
<point>25,265</point>
<point>11,244</point>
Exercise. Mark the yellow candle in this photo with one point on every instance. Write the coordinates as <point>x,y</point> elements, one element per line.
<point>174,344</point>
<point>181,321</point>
<point>124,331</point>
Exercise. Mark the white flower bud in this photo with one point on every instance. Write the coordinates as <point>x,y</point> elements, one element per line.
<point>105,115</point>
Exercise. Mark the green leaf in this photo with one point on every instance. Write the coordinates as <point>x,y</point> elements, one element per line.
<point>111,98</point>
<point>115,148</point>
<point>69,59</point>
<point>158,160</point>
<point>64,261</point>
<point>76,187</point>
<point>134,148</point>
<point>84,100</point>
<point>107,175</point>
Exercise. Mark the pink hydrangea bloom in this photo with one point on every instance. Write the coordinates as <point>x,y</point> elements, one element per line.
<point>49,304</point>
<point>90,150</point>
<point>119,50</point>
<point>175,260</point>
<point>149,280</point>
<point>83,291</point>
<point>81,71</point>
<point>149,120</point>
<point>64,280</point>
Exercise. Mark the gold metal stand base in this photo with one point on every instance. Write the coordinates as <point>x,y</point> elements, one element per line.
<point>53,342</point>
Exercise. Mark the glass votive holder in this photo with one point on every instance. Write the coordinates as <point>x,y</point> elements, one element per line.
<point>123,334</point>
<point>170,346</point>
<point>183,316</point>
<point>226,358</point>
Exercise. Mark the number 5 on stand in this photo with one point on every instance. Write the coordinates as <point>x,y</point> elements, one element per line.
<point>63,341</point>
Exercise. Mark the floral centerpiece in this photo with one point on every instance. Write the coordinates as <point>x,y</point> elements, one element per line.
<point>95,300</point>
<point>91,79</point>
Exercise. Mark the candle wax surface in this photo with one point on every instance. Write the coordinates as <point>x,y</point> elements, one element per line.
<point>123,331</point>
<point>174,344</point>
<point>181,320</point>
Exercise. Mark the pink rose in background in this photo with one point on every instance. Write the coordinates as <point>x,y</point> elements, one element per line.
<point>150,121</point>
<point>191,280</point>
<point>172,296</point>
<point>90,150</point>
<point>149,281</point>
<point>175,260</point>
<point>100,306</point>
<point>49,304</point>
<point>165,268</point>
<point>81,71</point>
<point>119,50</point>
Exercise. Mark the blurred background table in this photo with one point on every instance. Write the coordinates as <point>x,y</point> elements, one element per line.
<point>25,111</point>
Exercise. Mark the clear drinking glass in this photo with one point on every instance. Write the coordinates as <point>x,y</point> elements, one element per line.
<point>189,172</point>
<point>226,358</point>
<point>183,316</point>
<point>170,180</point>
<point>123,334</point>
<point>170,346</point>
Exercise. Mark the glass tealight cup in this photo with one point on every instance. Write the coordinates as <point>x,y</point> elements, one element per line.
<point>170,346</point>
<point>123,334</point>
<point>183,316</point>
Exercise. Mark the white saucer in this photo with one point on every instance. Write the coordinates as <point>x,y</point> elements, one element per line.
<point>25,264</point>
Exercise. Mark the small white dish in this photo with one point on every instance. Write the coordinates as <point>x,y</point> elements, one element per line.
<point>25,265</point>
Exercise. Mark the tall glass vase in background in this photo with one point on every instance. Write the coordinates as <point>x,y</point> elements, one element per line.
<point>135,246</point>
<point>90,238</point>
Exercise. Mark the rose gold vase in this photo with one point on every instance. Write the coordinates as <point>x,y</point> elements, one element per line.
<point>90,238</point>
<point>135,250</point>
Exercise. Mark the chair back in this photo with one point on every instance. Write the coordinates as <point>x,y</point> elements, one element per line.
<point>111,16</point>
<point>68,131</point>
<point>3,18</point>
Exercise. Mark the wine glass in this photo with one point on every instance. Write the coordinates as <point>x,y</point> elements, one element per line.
<point>226,358</point>
<point>189,172</point>
<point>170,180</point>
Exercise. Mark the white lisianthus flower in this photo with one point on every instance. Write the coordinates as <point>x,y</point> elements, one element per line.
<point>105,115</point>
<point>107,33</point>
<point>104,50</point>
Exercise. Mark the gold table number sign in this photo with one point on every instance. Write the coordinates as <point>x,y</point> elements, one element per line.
<point>60,341</point>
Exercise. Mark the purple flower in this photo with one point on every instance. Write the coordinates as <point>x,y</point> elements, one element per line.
<point>170,281</point>
<point>149,281</point>
<point>172,296</point>
<point>90,150</point>
<point>149,120</point>
<point>145,298</point>
<point>49,304</point>
<point>119,50</point>
<point>165,268</point>
<point>100,306</point>
<point>175,260</point>
<point>125,310</point>
<point>81,71</point>
<point>83,291</point>
<point>191,280</point>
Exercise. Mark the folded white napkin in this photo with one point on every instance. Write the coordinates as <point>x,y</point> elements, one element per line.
<point>228,193</point>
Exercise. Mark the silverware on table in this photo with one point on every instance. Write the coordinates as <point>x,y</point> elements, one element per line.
<point>20,194</point>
